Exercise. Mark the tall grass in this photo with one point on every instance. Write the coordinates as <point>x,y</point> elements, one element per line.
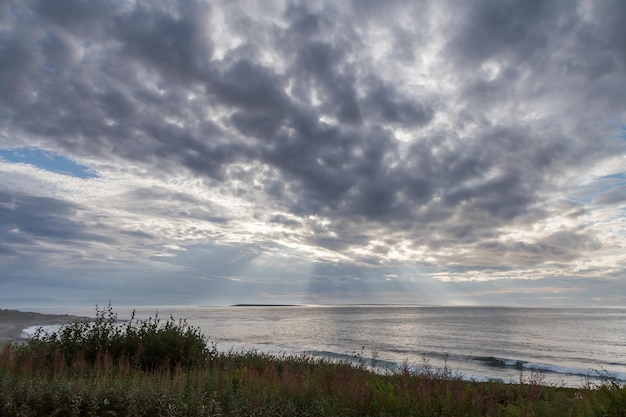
<point>153,368</point>
<point>148,344</point>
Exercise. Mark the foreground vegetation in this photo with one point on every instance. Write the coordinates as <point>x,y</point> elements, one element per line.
<point>154,368</point>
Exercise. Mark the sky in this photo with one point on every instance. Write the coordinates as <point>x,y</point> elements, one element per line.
<point>445,152</point>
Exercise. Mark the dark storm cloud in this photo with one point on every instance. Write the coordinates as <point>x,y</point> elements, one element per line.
<point>323,63</point>
<point>560,246</point>
<point>353,120</point>
<point>542,48</point>
<point>495,28</point>
<point>26,219</point>
<point>252,87</point>
<point>390,106</point>
<point>329,164</point>
<point>76,16</point>
<point>172,38</point>
<point>332,165</point>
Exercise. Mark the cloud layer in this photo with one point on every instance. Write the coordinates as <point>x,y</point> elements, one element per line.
<point>320,148</point>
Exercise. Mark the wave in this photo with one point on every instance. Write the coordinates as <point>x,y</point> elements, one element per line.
<point>492,361</point>
<point>357,359</point>
<point>489,361</point>
<point>29,332</point>
<point>382,365</point>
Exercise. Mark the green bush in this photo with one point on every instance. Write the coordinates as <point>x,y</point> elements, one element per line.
<point>611,400</point>
<point>148,344</point>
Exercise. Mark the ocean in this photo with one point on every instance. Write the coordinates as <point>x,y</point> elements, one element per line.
<point>565,347</point>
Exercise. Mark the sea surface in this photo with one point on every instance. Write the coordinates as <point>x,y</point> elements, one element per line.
<point>565,347</point>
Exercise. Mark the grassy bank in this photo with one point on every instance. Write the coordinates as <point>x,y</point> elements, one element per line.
<point>154,368</point>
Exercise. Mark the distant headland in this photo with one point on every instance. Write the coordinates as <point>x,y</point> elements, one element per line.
<point>265,305</point>
<point>13,322</point>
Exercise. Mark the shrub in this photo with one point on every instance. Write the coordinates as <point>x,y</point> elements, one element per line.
<point>611,400</point>
<point>148,344</point>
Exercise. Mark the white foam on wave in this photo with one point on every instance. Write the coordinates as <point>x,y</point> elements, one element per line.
<point>29,332</point>
<point>474,378</point>
<point>574,371</point>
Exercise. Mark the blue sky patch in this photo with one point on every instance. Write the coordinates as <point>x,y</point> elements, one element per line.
<point>48,161</point>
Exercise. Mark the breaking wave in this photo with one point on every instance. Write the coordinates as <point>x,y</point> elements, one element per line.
<point>495,362</point>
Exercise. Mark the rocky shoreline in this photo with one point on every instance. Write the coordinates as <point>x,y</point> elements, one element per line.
<point>12,322</point>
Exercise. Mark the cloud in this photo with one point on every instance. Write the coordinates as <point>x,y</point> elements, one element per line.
<point>18,215</point>
<point>454,137</point>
